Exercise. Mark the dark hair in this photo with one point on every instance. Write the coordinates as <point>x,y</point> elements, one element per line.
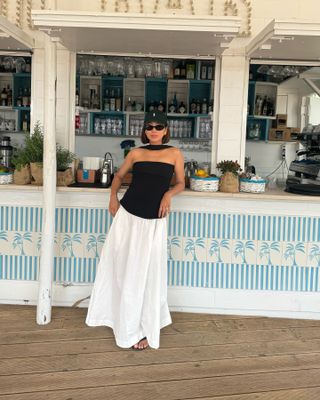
<point>145,140</point>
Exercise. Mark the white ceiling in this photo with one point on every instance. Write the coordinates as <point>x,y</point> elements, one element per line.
<point>139,34</point>
<point>287,40</point>
<point>104,40</point>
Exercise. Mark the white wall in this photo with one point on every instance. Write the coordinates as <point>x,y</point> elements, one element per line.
<point>267,156</point>
<point>98,146</point>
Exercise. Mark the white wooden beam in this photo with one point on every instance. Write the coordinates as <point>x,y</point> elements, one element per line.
<point>10,30</point>
<point>49,184</point>
<point>55,19</point>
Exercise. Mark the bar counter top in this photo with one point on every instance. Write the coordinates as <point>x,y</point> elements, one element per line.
<point>269,194</point>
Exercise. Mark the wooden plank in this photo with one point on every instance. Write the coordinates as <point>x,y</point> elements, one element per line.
<point>169,333</point>
<point>180,389</point>
<point>158,372</point>
<point>295,394</point>
<point>75,362</point>
<point>204,352</point>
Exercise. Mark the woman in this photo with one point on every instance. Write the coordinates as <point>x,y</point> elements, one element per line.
<point>130,290</point>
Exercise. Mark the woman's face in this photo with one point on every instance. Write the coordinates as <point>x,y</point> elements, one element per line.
<point>155,131</point>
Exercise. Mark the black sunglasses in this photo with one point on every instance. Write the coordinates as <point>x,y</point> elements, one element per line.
<point>156,127</point>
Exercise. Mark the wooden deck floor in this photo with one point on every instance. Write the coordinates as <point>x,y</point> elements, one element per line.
<point>201,357</point>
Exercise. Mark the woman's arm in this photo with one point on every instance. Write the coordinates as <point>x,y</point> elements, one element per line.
<point>117,181</point>
<point>179,186</point>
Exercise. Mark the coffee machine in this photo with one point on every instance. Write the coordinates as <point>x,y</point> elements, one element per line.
<point>305,169</point>
<point>106,172</point>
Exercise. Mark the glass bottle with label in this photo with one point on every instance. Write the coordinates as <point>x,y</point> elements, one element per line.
<point>204,107</point>
<point>112,101</point>
<point>118,100</point>
<point>4,97</point>
<point>203,71</point>
<point>25,123</point>
<point>106,101</point>
<point>25,98</point>
<point>77,97</point>
<point>176,72</point>
<point>193,107</point>
<point>183,70</point>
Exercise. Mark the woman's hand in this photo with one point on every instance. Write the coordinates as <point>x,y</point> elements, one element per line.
<point>165,205</point>
<point>114,205</point>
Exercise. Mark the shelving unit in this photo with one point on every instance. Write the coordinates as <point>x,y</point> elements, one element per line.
<point>264,90</point>
<point>13,115</point>
<point>138,95</point>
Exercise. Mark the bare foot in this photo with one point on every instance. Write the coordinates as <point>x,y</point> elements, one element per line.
<point>141,345</point>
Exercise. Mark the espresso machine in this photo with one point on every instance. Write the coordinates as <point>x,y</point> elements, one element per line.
<point>107,170</point>
<point>304,171</point>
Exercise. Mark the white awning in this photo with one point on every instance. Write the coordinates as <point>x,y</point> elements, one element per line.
<point>139,34</point>
<point>13,38</point>
<point>287,40</point>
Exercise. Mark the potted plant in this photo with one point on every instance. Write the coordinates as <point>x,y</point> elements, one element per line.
<point>28,159</point>
<point>64,171</point>
<point>31,156</point>
<point>229,180</point>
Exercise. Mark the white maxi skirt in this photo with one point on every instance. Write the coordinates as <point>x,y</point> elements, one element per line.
<point>130,289</point>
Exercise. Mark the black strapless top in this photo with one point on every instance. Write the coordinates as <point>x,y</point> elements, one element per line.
<point>150,180</point>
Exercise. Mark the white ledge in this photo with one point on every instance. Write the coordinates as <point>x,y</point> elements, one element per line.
<point>47,18</point>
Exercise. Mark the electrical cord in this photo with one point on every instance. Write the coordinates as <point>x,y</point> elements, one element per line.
<point>276,169</point>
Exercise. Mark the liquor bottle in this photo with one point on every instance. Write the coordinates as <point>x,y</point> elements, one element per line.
<point>152,106</point>
<point>118,100</point>
<point>265,106</point>
<point>210,72</point>
<point>198,107</point>
<point>203,71</point>
<point>190,68</point>
<point>77,97</point>
<point>182,108</point>
<point>270,107</point>
<point>25,98</point>
<point>112,101</point>
<point>19,98</point>
<point>129,105</point>
<point>25,123</point>
<point>161,106</point>
<point>29,97</point>
<point>176,72</point>
<point>204,107</point>
<point>258,105</point>
<point>106,101</point>
<point>9,96</point>
<point>193,107</point>
<point>4,97</point>
<point>183,70</point>
<point>28,66</point>
<point>175,102</point>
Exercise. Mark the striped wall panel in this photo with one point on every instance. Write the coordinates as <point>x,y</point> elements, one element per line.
<point>213,250</point>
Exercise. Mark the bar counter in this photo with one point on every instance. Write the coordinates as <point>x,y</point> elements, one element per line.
<point>241,253</point>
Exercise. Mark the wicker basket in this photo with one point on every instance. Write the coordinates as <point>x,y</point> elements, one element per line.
<point>209,184</point>
<point>6,177</point>
<point>252,186</point>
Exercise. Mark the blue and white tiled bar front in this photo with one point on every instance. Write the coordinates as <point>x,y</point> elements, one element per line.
<point>248,254</point>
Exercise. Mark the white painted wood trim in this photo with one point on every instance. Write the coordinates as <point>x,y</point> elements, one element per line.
<point>197,300</point>
<point>283,28</point>
<point>18,34</point>
<point>49,184</point>
<point>51,19</point>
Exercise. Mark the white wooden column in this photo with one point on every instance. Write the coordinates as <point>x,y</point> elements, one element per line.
<point>49,184</point>
<point>231,110</point>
